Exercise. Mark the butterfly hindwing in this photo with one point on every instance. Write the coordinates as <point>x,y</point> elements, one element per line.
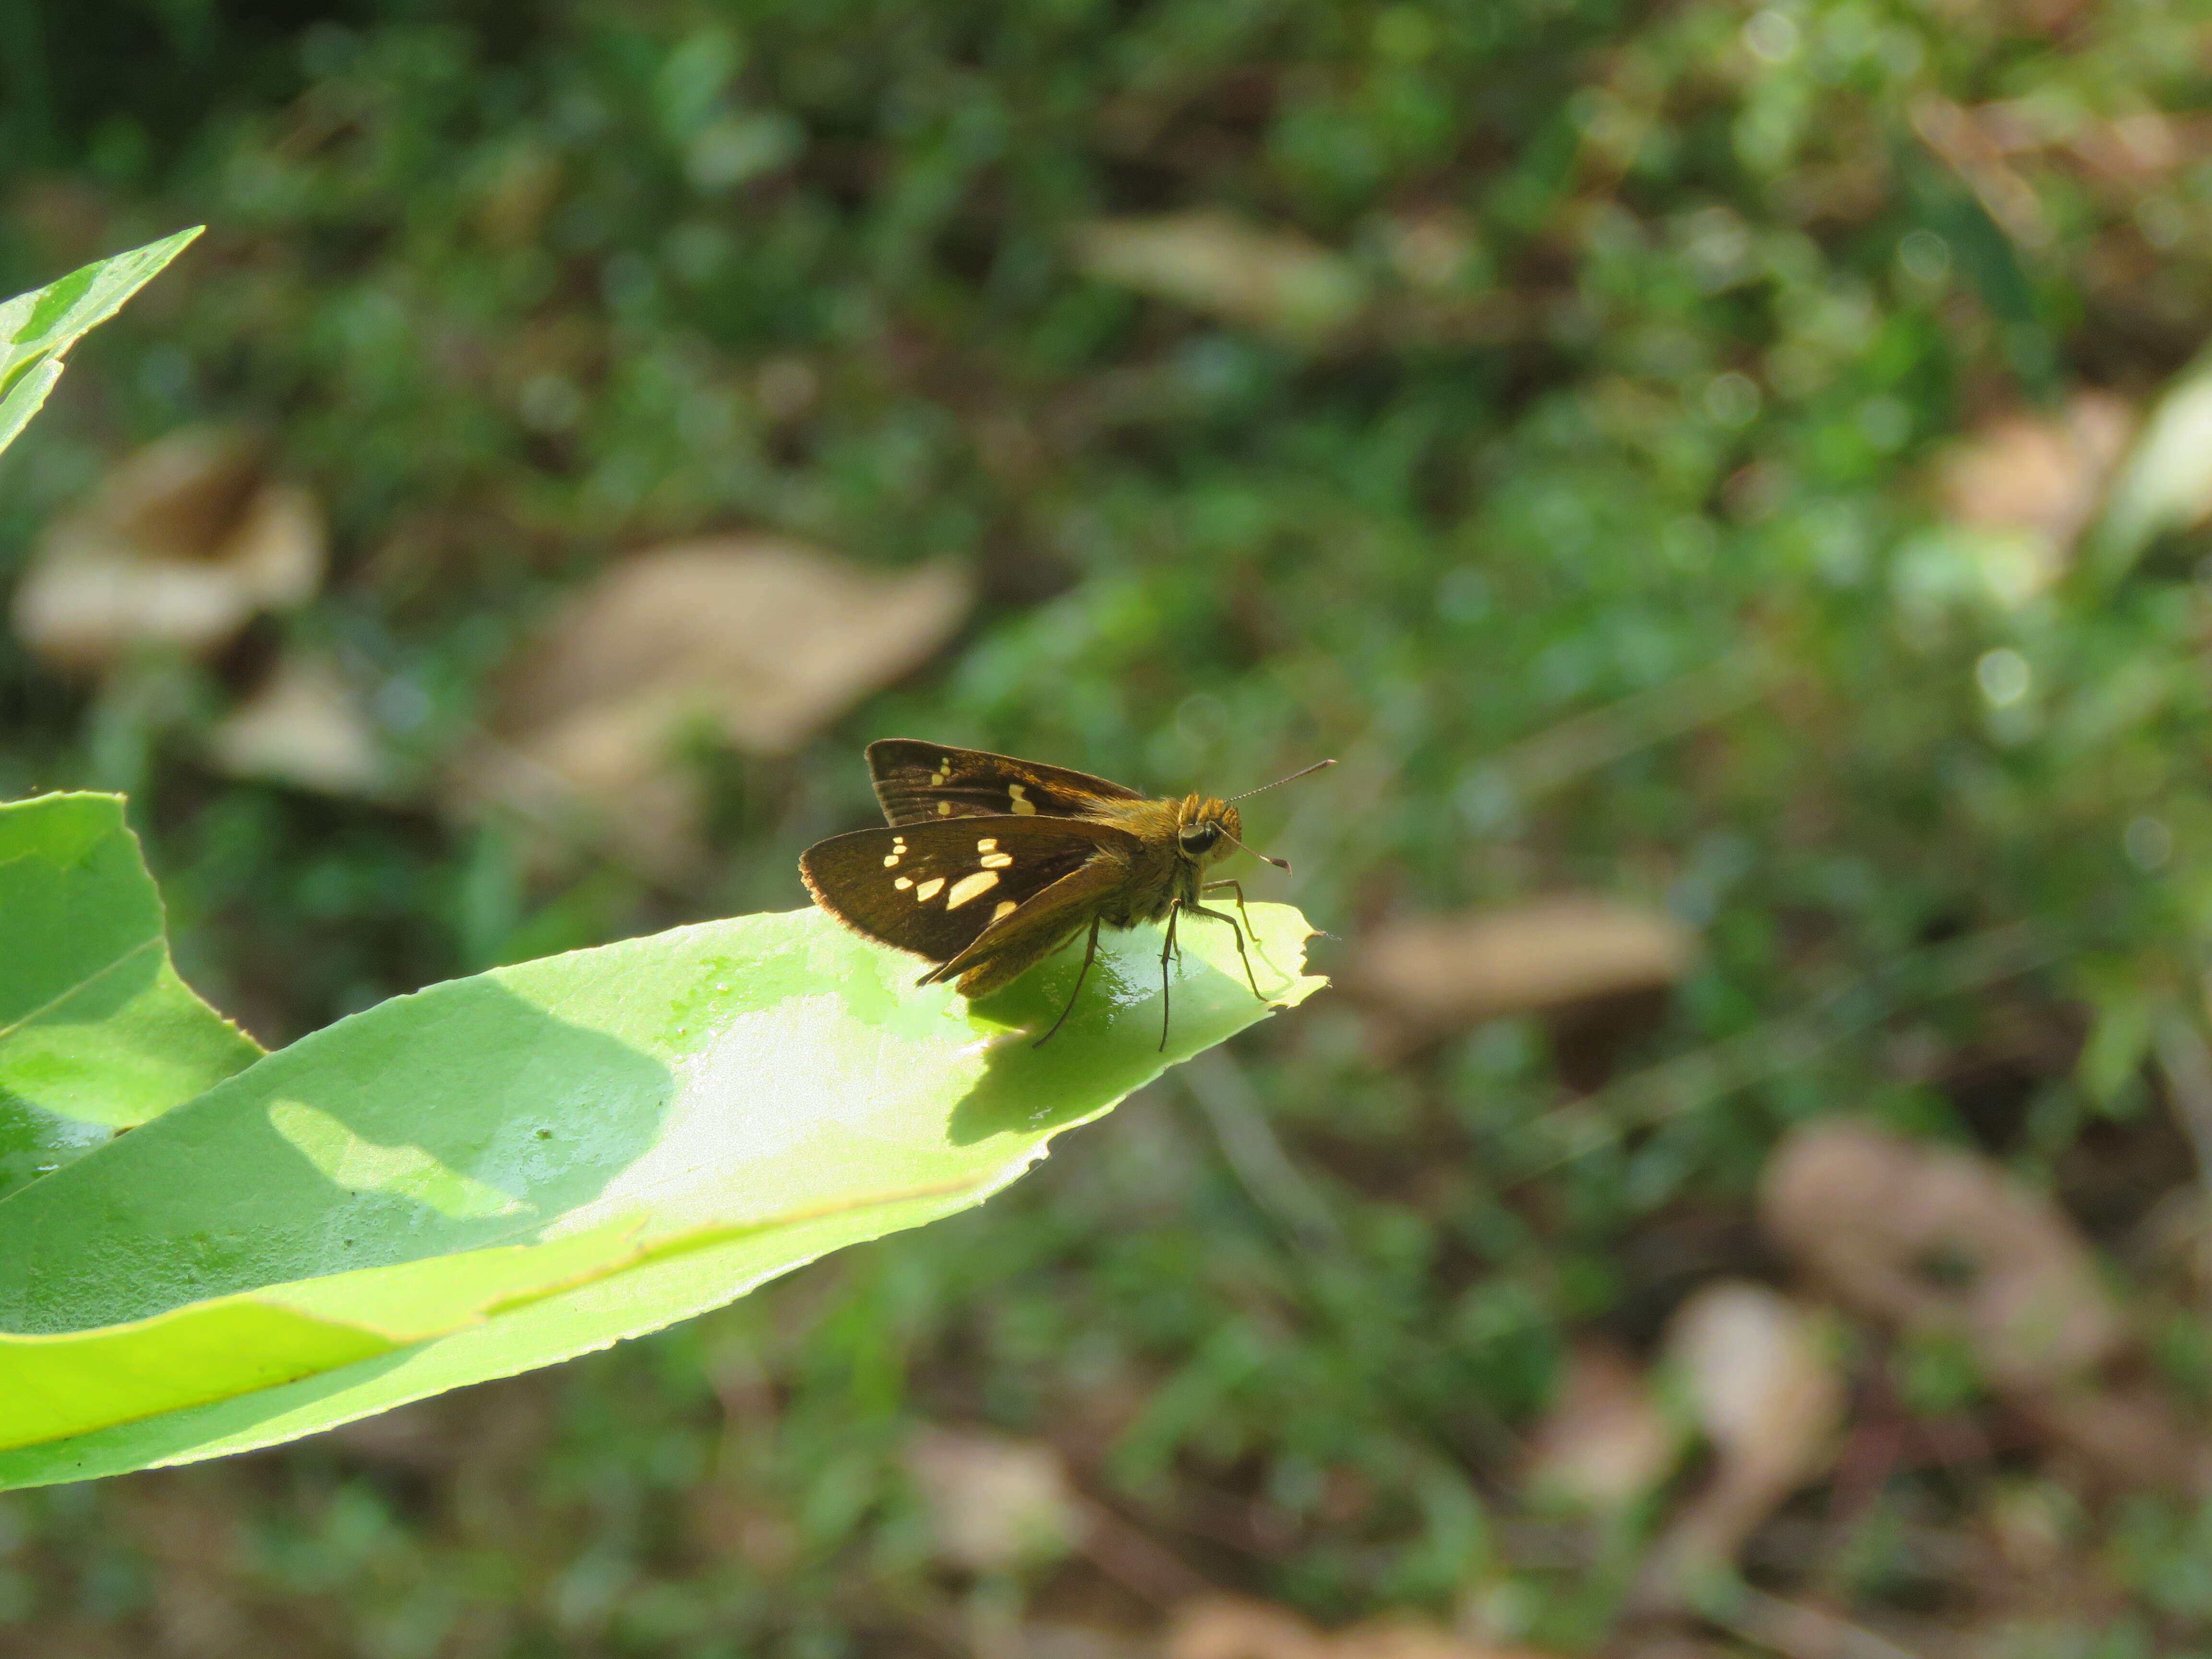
<point>1016,942</point>
<point>920,782</point>
<point>933,887</point>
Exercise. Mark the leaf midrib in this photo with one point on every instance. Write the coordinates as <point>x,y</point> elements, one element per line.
<point>88,980</point>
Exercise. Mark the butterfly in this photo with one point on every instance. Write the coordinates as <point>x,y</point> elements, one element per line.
<point>990,865</point>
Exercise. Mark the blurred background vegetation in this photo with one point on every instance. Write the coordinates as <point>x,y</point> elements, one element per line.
<point>1728,482</point>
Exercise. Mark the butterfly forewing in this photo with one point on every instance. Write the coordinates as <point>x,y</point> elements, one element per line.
<point>1015,943</point>
<point>921,782</point>
<point>933,887</point>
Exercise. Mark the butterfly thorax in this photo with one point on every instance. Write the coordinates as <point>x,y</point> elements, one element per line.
<point>1178,841</point>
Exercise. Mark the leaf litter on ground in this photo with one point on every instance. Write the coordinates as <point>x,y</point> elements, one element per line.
<point>181,545</point>
<point>1929,1239</point>
<point>1423,977</point>
<point>1236,1627</point>
<point>754,641</point>
<point>1757,1376</point>
<point>1606,1442</point>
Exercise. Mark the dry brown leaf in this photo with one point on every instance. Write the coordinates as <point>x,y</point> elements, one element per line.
<point>1406,1638</point>
<point>2125,150</point>
<point>181,545</point>
<point>1756,1372</point>
<point>1933,1239</point>
<point>307,725</point>
<point>1976,149</point>
<point>2032,482</point>
<point>1230,1627</point>
<point>2027,472</point>
<point>619,786</point>
<point>759,641</point>
<point>1042,1640</point>
<point>1605,1442</point>
<point>769,640</point>
<point>1233,1627</point>
<point>994,1503</point>
<point>1436,974</point>
<point>2132,149</point>
<point>1275,281</point>
<point>1927,1237</point>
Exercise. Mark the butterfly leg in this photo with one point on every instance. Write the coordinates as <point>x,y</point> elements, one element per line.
<point>1242,955</point>
<point>1215,887</point>
<point>1089,951</point>
<point>1236,886</point>
<point>1166,950</point>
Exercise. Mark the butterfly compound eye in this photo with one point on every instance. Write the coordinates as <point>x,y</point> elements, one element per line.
<point>1195,838</point>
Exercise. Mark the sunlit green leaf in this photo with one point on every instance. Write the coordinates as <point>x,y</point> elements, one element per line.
<point>707,1108</point>
<point>2165,481</point>
<point>37,329</point>
<point>97,1033</point>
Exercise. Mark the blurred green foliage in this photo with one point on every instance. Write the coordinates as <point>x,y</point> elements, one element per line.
<point>1590,519</point>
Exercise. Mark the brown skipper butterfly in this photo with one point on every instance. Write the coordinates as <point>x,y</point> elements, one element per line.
<point>991,864</point>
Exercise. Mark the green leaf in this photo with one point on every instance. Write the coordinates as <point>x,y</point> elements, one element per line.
<point>708,1108</point>
<point>59,1386</point>
<point>2125,1015</point>
<point>37,328</point>
<point>2165,482</point>
<point>97,1033</point>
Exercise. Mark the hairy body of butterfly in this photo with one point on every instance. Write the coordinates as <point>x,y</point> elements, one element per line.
<point>989,864</point>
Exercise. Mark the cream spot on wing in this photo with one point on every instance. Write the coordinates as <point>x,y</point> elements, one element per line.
<point>968,886</point>
<point>927,891</point>
<point>903,883</point>
<point>1024,806</point>
<point>988,844</point>
<point>996,861</point>
<point>944,809</point>
<point>1006,907</point>
<point>890,860</point>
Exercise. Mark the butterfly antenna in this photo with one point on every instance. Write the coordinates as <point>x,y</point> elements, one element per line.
<point>1303,771</point>
<point>1306,771</point>
<point>1280,864</point>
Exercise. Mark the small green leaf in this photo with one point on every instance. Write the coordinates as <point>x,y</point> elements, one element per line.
<point>729,1101</point>
<point>25,396</point>
<point>2165,482</point>
<point>97,1033</point>
<point>37,329</point>
<point>2119,1041</point>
